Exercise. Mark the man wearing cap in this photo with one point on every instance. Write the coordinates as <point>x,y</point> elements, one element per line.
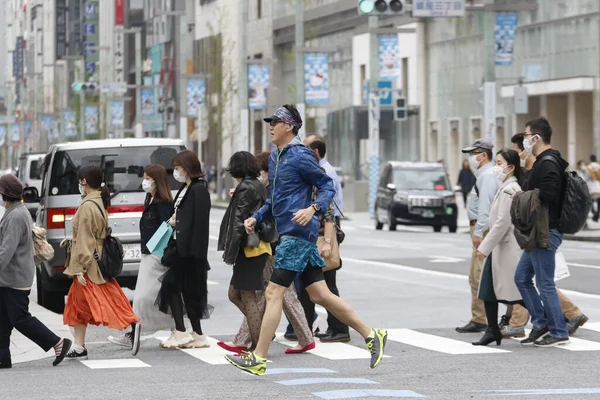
<point>479,204</point>
<point>17,268</point>
<point>293,173</point>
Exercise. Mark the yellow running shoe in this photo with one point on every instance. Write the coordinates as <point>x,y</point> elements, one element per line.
<point>249,362</point>
<point>376,344</point>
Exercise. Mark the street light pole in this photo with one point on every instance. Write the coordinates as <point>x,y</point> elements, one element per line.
<point>374,113</point>
<point>244,125</point>
<point>300,98</point>
<point>489,78</point>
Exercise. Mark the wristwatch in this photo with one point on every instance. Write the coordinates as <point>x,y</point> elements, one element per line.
<point>316,207</point>
<point>327,240</point>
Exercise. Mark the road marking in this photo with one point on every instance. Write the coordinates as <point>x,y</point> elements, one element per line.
<point>575,345</point>
<point>212,237</point>
<point>438,343</point>
<point>529,392</point>
<point>406,268</point>
<point>357,393</point>
<point>116,363</point>
<point>213,355</point>
<point>315,381</point>
<point>331,351</point>
<point>592,326</point>
<point>587,266</point>
<point>445,259</point>
<point>277,371</point>
<point>212,283</point>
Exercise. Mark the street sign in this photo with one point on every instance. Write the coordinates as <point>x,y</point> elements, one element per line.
<point>521,100</point>
<point>438,8</point>
<point>119,54</point>
<point>385,93</point>
<point>113,87</point>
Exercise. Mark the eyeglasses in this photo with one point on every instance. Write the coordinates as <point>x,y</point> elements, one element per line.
<point>285,121</point>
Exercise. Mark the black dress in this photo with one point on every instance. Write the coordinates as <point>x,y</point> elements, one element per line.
<point>248,272</point>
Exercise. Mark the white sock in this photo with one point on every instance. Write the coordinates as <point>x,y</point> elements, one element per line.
<point>78,348</point>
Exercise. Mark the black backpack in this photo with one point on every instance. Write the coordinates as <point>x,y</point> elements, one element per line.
<point>576,201</point>
<point>111,263</point>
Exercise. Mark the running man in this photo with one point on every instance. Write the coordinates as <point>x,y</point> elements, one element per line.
<point>293,172</point>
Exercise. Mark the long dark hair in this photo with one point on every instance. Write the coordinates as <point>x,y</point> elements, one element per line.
<point>512,158</point>
<point>93,176</point>
<point>161,180</point>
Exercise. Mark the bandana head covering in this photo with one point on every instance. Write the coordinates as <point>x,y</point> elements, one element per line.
<point>284,115</point>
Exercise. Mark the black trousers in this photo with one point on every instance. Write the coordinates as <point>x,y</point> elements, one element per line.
<point>334,325</point>
<point>14,313</point>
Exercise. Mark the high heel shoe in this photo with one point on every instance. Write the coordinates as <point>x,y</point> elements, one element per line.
<point>489,337</point>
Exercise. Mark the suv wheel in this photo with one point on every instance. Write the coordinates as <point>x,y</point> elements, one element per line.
<point>53,301</point>
<point>392,221</point>
<point>453,228</point>
<point>437,228</point>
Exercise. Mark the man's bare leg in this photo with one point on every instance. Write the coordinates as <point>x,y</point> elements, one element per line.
<point>274,295</point>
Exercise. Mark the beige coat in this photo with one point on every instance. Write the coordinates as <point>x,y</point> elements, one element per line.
<point>501,243</point>
<point>89,231</point>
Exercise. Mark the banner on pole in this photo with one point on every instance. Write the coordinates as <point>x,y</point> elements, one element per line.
<point>506,26</point>
<point>48,128</point>
<point>389,57</point>
<point>258,82</point>
<point>91,120</point>
<point>2,135</point>
<point>28,125</point>
<point>196,92</point>
<point>70,118</point>
<point>316,78</point>
<point>15,133</point>
<point>117,114</point>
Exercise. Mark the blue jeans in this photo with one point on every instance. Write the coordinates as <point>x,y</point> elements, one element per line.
<point>545,306</point>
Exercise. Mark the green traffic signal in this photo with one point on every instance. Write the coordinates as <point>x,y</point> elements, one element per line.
<point>77,86</point>
<point>366,6</point>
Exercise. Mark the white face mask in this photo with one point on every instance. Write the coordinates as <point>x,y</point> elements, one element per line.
<point>528,145</point>
<point>473,163</point>
<point>81,189</point>
<point>148,186</point>
<point>179,177</point>
<point>2,203</point>
<point>499,174</point>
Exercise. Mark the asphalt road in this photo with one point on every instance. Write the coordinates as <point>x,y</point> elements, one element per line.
<point>412,282</point>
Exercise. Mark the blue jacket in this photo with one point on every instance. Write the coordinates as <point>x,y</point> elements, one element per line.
<point>293,172</point>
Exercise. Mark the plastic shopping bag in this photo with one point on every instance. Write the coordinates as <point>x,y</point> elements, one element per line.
<point>561,270</point>
<point>157,243</point>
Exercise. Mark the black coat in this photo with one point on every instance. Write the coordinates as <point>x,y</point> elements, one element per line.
<point>192,221</point>
<point>466,180</point>
<point>249,195</point>
<point>153,216</point>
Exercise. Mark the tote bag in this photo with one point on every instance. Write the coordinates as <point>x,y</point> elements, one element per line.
<point>157,243</point>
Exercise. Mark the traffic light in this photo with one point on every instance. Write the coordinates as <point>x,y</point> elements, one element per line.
<point>381,7</point>
<point>400,108</point>
<point>84,86</point>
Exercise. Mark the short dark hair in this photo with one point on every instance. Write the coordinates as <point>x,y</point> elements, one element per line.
<point>10,199</point>
<point>518,140</point>
<point>94,176</point>
<point>263,160</point>
<point>512,158</point>
<point>488,153</point>
<point>243,164</point>
<point>188,161</point>
<point>294,111</point>
<point>541,126</point>
<point>593,158</point>
<point>319,144</point>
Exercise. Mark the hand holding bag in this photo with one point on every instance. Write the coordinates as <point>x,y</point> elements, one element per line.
<point>255,246</point>
<point>333,261</point>
<point>157,243</point>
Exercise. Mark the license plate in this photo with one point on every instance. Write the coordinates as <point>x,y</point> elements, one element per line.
<point>132,251</point>
<point>427,214</point>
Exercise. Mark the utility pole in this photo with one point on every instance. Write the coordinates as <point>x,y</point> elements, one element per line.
<point>489,74</point>
<point>244,123</point>
<point>139,129</point>
<point>374,113</point>
<point>300,101</point>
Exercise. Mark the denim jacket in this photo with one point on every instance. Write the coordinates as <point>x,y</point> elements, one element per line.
<point>293,171</point>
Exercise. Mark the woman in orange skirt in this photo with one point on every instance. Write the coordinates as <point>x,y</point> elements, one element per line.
<point>92,300</point>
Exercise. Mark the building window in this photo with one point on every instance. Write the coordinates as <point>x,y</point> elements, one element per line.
<point>258,56</point>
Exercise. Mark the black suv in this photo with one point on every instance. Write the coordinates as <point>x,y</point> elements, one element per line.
<point>415,193</point>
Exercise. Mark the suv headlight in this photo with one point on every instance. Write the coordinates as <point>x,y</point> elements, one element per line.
<point>401,198</point>
<point>448,200</point>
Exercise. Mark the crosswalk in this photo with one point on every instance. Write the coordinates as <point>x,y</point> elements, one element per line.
<point>400,341</point>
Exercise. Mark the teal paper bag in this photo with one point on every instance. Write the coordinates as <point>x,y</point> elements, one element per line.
<point>157,243</point>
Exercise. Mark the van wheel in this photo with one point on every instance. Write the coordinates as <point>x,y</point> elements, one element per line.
<point>53,301</point>
<point>392,221</point>
<point>453,228</point>
<point>437,228</point>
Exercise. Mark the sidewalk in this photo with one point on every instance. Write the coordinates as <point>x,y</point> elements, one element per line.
<point>590,233</point>
<point>23,349</point>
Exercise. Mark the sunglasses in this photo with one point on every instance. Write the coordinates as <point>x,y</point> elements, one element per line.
<point>285,121</point>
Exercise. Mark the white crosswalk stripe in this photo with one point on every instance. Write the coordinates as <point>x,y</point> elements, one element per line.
<point>576,343</point>
<point>438,343</point>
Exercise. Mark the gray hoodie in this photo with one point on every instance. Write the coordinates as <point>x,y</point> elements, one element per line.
<point>17,267</point>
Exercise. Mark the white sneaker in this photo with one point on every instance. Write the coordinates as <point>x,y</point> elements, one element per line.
<point>198,343</point>
<point>177,339</point>
<point>123,340</point>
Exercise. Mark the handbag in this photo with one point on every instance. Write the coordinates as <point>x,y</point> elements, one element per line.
<point>170,257</point>
<point>157,243</point>
<point>262,248</point>
<point>561,270</point>
<point>339,233</point>
<point>333,261</point>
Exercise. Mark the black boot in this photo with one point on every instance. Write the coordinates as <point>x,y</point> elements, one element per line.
<point>491,335</point>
